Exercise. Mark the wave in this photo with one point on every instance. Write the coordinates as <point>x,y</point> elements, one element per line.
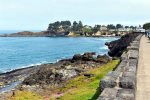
<point>104,48</point>
<point>25,66</point>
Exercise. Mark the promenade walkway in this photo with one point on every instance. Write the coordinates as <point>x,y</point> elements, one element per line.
<point>143,73</point>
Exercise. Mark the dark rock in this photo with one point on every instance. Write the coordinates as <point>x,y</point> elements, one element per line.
<point>104,59</point>
<point>89,75</point>
<point>77,57</point>
<point>63,70</point>
<point>88,56</point>
<point>44,76</point>
<point>119,46</point>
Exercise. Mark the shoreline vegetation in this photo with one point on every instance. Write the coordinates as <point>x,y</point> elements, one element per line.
<point>77,29</point>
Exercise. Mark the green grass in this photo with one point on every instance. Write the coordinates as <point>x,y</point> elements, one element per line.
<point>83,88</point>
<point>25,95</point>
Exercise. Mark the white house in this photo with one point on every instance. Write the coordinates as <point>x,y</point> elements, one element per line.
<point>140,29</point>
<point>103,28</point>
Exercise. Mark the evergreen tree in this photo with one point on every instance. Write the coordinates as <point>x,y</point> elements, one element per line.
<point>119,26</point>
<point>146,26</point>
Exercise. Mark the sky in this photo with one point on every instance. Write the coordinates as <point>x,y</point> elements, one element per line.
<point>37,14</point>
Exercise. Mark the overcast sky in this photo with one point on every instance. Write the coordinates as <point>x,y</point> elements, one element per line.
<point>37,14</point>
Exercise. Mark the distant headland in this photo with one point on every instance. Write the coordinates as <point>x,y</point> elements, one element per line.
<point>75,29</point>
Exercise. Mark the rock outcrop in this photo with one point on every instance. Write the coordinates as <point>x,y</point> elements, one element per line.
<point>117,47</point>
<point>58,73</point>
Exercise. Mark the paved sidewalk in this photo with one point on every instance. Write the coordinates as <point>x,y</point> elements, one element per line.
<point>143,73</point>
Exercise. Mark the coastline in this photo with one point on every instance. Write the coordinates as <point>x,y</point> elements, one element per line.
<point>57,36</point>
<point>54,34</point>
<point>20,74</point>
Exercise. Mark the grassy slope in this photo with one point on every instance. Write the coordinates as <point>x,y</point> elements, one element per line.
<point>83,88</point>
<point>79,88</point>
<point>25,95</point>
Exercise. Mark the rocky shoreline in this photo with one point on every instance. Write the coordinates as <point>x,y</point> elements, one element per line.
<point>53,74</point>
<point>117,47</point>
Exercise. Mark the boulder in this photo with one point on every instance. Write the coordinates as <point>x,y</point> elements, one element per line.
<point>117,47</point>
<point>88,56</point>
<point>67,74</point>
<point>103,59</point>
<point>77,57</point>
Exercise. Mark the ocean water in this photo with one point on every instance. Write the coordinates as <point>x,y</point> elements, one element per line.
<point>20,52</point>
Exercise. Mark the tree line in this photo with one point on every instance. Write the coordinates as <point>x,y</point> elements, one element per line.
<point>79,27</point>
<point>146,26</point>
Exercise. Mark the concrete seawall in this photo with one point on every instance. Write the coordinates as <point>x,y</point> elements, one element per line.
<point>120,84</point>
